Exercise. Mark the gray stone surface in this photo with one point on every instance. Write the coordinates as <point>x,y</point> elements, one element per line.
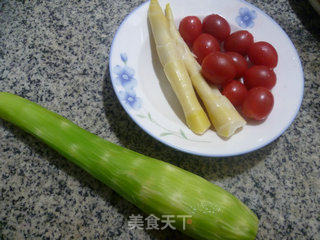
<point>56,54</point>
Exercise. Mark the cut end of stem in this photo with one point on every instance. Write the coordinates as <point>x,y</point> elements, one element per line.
<point>199,122</point>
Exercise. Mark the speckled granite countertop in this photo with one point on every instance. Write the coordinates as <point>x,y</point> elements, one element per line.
<point>56,54</point>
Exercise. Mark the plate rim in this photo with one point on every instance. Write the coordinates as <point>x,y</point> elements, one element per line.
<point>238,153</point>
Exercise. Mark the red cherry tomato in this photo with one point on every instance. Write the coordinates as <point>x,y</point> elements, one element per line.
<point>239,42</point>
<point>218,68</point>
<point>236,92</point>
<point>259,76</point>
<point>239,62</point>
<point>258,103</point>
<point>203,45</point>
<point>190,28</point>
<point>263,53</point>
<point>217,26</point>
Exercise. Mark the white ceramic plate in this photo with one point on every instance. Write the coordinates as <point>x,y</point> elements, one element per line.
<point>145,94</point>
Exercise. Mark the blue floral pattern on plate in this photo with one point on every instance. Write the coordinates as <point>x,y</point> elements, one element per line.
<point>246,17</point>
<point>130,98</point>
<point>124,57</point>
<point>125,78</point>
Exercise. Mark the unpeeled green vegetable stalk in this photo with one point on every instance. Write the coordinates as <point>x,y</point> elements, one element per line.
<point>224,117</point>
<point>154,186</point>
<point>175,70</point>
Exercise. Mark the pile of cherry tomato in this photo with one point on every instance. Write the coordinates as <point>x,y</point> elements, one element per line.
<point>233,61</point>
